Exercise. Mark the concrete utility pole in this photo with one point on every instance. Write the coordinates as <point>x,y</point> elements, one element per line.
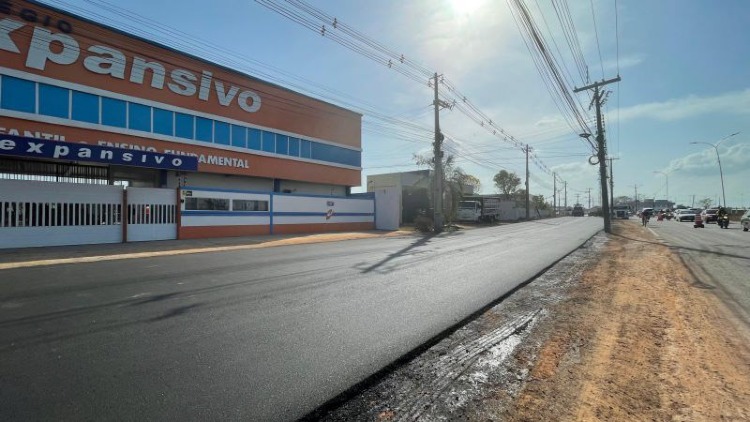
<point>611,187</point>
<point>566,198</point>
<point>554,194</point>
<point>589,198</point>
<point>527,180</point>
<point>437,196</point>
<point>598,100</point>
<point>578,198</point>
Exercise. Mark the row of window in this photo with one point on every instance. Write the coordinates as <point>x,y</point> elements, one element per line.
<point>49,100</point>
<point>221,204</point>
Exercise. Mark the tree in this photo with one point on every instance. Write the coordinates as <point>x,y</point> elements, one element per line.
<point>706,202</point>
<point>507,182</point>
<point>464,180</point>
<point>537,201</point>
<point>454,182</point>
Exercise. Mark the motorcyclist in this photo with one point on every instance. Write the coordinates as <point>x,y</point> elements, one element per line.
<point>722,215</point>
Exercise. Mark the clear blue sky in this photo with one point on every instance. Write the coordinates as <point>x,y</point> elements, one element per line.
<point>684,66</point>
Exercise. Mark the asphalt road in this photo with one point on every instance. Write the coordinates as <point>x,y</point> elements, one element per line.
<point>263,334</point>
<point>719,259</point>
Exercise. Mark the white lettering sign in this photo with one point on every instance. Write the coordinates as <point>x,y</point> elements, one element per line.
<point>63,49</point>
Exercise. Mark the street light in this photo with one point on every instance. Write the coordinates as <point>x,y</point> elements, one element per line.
<point>667,176</point>
<point>721,173</point>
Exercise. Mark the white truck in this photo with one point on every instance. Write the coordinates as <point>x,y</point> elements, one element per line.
<point>479,209</point>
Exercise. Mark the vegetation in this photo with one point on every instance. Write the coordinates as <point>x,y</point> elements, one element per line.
<point>507,183</point>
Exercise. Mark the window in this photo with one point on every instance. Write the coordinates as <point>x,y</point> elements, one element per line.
<point>294,147</point>
<point>282,144</point>
<point>305,151</point>
<point>54,101</point>
<point>18,95</point>
<point>269,141</point>
<point>239,136</point>
<point>204,129</point>
<point>163,122</point>
<point>85,107</point>
<point>113,112</point>
<point>221,133</point>
<point>253,141</point>
<point>139,117</point>
<point>207,204</point>
<point>334,154</point>
<point>184,126</point>
<point>249,205</point>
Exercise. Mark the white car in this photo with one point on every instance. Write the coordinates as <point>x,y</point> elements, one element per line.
<point>684,215</point>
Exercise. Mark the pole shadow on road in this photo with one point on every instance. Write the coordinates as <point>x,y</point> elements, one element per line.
<point>380,266</point>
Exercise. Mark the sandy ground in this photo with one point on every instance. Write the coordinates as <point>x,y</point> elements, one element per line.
<point>637,339</point>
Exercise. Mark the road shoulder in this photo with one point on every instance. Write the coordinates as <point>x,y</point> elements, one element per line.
<point>637,339</point>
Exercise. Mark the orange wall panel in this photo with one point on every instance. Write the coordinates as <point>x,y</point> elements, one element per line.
<point>280,108</point>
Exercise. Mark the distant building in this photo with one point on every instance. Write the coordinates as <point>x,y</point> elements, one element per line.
<point>414,187</point>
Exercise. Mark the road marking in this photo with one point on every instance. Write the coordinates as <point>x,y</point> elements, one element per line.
<point>327,237</point>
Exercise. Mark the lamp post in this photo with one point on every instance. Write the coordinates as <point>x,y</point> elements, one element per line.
<point>721,173</point>
<point>667,176</point>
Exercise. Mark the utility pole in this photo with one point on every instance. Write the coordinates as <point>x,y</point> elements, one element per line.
<point>611,187</point>
<point>636,198</point>
<point>598,100</point>
<point>589,198</point>
<point>527,180</point>
<point>554,195</point>
<point>566,197</point>
<point>437,196</point>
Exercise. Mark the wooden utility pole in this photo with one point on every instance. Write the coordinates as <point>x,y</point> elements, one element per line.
<point>598,100</point>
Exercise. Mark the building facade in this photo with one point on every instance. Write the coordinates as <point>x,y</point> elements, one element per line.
<point>81,102</point>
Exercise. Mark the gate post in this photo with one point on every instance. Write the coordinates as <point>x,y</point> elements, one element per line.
<point>125,215</point>
<point>178,212</point>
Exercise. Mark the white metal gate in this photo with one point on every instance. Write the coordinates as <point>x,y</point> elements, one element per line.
<point>152,214</point>
<point>54,214</point>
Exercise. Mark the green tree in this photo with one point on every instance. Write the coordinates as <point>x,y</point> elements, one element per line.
<point>455,180</point>
<point>706,202</point>
<point>507,182</point>
<point>537,202</point>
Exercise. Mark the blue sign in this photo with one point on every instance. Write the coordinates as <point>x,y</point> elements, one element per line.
<point>42,148</point>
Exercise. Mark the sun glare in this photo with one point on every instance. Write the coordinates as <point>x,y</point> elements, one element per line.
<point>465,7</point>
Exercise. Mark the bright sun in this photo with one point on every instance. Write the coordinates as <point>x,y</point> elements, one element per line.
<point>465,7</point>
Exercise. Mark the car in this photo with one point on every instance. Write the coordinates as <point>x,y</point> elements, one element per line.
<point>745,221</point>
<point>685,214</point>
<point>710,215</point>
<point>578,211</point>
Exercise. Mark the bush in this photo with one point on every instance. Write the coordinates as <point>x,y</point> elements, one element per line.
<point>423,223</point>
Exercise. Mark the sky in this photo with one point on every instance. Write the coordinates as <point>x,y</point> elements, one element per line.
<point>683,63</point>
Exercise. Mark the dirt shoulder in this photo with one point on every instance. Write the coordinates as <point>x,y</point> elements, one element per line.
<point>637,339</point>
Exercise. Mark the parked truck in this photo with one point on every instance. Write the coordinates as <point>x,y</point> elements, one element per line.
<point>479,209</point>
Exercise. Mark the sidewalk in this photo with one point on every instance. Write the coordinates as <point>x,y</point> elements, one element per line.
<point>30,257</point>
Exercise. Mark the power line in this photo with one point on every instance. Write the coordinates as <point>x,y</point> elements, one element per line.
<point>596,32</point>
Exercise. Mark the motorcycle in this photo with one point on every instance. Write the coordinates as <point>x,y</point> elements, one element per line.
<point>723,221</point>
